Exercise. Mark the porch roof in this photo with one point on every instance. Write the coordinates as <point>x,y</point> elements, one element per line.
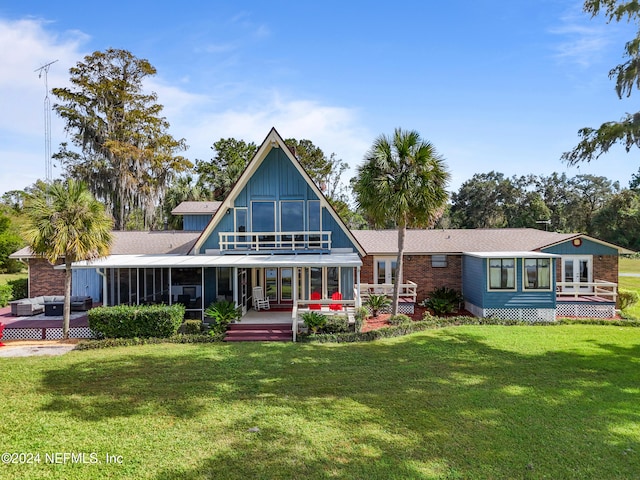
<point>241,261</point>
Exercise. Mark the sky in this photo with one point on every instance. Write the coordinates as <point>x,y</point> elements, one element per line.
<point>494,85</point>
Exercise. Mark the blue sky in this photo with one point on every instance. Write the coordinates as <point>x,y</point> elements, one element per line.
<point>499,85</point>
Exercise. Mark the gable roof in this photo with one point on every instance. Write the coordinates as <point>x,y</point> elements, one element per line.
<point>385,242</point>
<point>272,140</point>
<point>196,208</point>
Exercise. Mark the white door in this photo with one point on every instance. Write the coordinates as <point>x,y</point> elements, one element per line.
<point>577,269</point>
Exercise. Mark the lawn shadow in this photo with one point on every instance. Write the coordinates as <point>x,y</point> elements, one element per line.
<point>442,404</point>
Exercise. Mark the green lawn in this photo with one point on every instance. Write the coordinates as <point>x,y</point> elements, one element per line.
<point>6,277</point>
<point>630,265</point>
<point>464,402</point>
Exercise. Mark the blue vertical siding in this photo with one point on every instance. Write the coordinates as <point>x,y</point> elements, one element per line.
<point>195,223</point>
<point>277,179</point>
<point>86,282</point>
<point>473,279</point>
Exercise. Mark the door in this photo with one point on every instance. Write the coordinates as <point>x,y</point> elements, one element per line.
<point>577,269</point>
<point>243,289</point>
<point>279,284</point>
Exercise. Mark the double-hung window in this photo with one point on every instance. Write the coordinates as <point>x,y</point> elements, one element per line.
<point>537,273</point>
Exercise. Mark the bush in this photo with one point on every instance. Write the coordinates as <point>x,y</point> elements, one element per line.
<point>399,319</point>
<point>143,321</point>
<point>336,324</point>
<point>20,287</point>
<point>314,321</point>
<point>129,342</point>
<point>5,295</point>
<point>360,316</point>
<point>222,313</point>
<point>377,303</point>
<point>443,300</point>
<point>191,327</point>
<point>627,298</point>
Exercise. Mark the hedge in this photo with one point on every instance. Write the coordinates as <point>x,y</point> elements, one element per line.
<point>441,322</point>
<point>20,287</point>
<point>5,295</point>
<point>129,342</point>
<point>143,321</point>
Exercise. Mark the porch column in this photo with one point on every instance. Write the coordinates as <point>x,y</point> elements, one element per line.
<point>235,285</point>
<point>358,301</point>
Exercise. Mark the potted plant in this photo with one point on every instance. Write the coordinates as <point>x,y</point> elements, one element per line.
<point>314,321</point>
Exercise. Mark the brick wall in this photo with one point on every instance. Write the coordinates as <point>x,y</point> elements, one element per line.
<point>418,269</point>
<point>605,267</point>
<point>43,279</point>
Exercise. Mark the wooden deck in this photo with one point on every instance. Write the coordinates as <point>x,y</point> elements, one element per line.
<point>42,326</point>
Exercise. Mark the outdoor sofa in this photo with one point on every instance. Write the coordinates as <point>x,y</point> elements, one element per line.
<point>32,306</point>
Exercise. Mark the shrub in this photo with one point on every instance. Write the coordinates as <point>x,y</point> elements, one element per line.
<point>5,295</point>
<point>129,342</point>
<point>20,287</point>
<point>360,316</point>
<point>627,298</point>
<point>443,300</point>
<point>222,313</point>
<point>336,324</point>
<point>143,321</point>
<point>377,303</point>
<point>191,327</point>
<point>399,319</point>
<point>314,321</point>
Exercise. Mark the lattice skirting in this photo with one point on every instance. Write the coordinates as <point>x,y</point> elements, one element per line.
<point>523,314</point>
<point>407,308</point>
<point>48,334</point>
<point>585,310</point>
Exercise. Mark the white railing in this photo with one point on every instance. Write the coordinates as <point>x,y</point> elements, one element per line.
<point>258,241</point>
<point>597,288</point>
<point>407,290</point>
<point>324,306</point>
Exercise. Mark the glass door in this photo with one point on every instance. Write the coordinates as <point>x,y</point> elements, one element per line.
<point>577,270</point>
<point>286,285</point>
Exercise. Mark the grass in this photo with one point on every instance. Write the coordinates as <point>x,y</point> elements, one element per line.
<point>630,265</point>
<point>6,277</point>
<point>464,402</point>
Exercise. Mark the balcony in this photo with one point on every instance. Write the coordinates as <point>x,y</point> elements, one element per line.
<point>267,242</point>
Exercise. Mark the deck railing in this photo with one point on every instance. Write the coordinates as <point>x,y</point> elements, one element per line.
<point>322,306</point>
<point>597,288</point>
<point>407,290</point>
<point>267,241</point>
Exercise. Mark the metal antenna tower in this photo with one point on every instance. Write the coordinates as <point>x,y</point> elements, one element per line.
<point>47,121</point>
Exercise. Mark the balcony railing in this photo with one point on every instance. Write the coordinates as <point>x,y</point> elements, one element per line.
<point>253,242</point>
<point>598,288</point>
<point>408,290</point>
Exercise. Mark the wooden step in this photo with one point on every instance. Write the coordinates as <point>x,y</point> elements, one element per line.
<point>239,332</point>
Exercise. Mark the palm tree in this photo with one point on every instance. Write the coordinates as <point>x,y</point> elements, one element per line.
<point>65,221</point>
<point>403,181</point>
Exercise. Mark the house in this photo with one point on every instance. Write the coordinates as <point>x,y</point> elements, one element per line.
<point>277,231</point>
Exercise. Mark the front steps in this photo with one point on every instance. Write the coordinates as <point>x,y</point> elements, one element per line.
<point>259,332</point>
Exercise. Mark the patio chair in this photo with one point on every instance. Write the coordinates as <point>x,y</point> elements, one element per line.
<point>259,300</point>
<point>315,306</point>
<point>336,306</point>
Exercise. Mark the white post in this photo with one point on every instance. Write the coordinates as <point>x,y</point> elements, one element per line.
<point>235,285</point>
<point>358,301</point>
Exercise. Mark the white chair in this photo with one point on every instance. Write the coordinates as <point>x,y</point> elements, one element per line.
<point>259,300</point>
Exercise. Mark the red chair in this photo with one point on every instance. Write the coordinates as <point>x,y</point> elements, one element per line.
<point>315,296</point>
<point>1,330</point>
<point>336,306</point>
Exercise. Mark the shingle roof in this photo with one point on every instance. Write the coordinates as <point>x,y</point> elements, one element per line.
<point>459,240</point>
<point>131,243</point>
<point>153,242</point>
<point>196,208</point>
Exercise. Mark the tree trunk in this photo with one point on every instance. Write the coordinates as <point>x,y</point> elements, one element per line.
<point>402,232</point>
<point>66,312</point>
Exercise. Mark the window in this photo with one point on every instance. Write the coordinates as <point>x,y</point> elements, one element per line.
<point>263,217</point>
<point>315,280</point>
<point>502,274</point>
<point>314,223</point>
<point>438,261</point>
<point>537,273</point>
<point>292,220</point>
<point>385,270</point>
<point>241,226</point>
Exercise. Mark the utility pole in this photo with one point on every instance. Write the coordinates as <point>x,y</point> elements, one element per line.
<point>48,169</point>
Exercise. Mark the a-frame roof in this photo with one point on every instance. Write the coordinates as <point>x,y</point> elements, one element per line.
<point>272,140</point>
